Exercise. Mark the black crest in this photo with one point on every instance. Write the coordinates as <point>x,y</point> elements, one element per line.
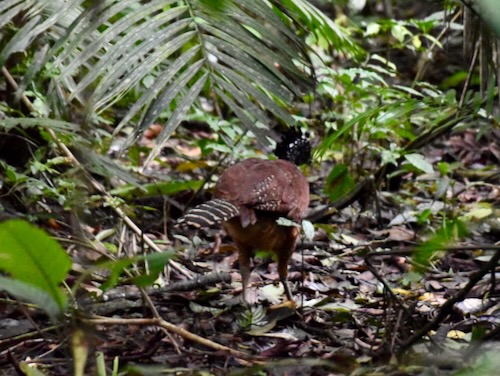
<point>294,147</point>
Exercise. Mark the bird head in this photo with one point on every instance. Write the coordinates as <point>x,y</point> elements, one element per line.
<point>294,146</point>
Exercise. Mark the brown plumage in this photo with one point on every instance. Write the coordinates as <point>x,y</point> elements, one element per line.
<point>248,199</point>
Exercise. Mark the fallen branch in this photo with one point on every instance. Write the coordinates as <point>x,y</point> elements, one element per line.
<point>176,330</point>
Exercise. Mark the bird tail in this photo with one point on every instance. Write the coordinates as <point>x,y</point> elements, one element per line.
<point>208,214</point>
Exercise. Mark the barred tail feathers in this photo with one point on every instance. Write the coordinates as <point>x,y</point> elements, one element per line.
<point>209,214</point>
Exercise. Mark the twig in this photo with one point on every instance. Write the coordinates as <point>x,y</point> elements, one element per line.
<point>425,57</point>
<point>387,288</point>
<point>447,307</point>
<point>173,329</point>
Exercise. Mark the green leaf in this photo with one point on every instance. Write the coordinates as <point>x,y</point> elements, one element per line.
<point>324,27</point>
<point>338,182</point>
<point>155,264</point>
<point>116,268</point>
<point>282,221</point>
<point>490,10</point>
<point>30,293</point>
<point>418,161</point>
<point>478,212</point>
<point>56,125</point>
<point>308,229</point>
<point>487,363</point>
<point>399,32</point>
<point>168,188</point>
<point>29,369</point>
<point>372,28</point>
<point>36,263</point>
<point>450,231</point>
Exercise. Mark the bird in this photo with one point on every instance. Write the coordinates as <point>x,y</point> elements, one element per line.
<point>248,199</point>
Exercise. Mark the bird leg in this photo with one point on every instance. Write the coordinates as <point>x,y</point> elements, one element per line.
<point>283,258</point>
<point>245,269</point>
<point>288,292</point>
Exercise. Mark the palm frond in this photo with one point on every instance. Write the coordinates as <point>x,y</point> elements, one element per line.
<point>39,18</point>
<point>320,25</point>
<point>241,53</point>
<point>56,125</point>
<point>241,49</point>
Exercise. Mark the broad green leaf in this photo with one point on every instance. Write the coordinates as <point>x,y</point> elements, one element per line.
<point>33,259</point>
<point>399,32</point>
<point>490,10</point>
<point>155,264</point>
<point>418,161</point>
<point>30,293</point>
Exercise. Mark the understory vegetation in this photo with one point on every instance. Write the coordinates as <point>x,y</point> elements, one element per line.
<point>118,116</point>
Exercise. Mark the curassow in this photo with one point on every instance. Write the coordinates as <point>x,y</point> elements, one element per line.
<point>251,195</point>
